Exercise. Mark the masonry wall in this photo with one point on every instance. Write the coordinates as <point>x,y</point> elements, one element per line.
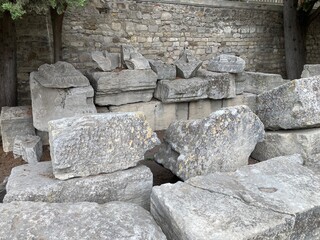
<point>160,31</point>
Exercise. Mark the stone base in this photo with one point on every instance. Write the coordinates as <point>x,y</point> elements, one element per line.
<point>37,183</point>
<point>247,99</point>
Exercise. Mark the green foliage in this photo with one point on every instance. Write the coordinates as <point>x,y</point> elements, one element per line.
<point>18,8</point>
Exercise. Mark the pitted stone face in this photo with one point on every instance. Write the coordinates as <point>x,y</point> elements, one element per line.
<point>226,63</point>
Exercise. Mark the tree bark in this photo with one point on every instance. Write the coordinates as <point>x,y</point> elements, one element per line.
<point>57,21</point>
<point>295,29</point>
<point>8,69</point>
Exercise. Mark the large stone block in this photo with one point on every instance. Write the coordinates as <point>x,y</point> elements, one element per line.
<point>29,147</point>
<point>275,199</point>
<point>187,65</point>
<point>158,114</point>
<point>248,99</point>
<point>226,63</point>
<point>305,142</point>
<point>60,75</point>
<point>163,70</point>
<point>293,105</point>
<point>221,142</point>
<point>101,143</point>
<point>37,183</point>
<point>256,82</point>
<point>310,70</point>
<point>74,221</point>
<point>52,103</point>
<point>15,121</point>
<point>203,108</point>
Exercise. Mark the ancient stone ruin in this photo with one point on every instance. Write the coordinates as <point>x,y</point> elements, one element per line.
<point>100,124</point>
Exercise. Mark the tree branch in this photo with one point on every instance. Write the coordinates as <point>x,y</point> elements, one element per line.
<point>313,16</point>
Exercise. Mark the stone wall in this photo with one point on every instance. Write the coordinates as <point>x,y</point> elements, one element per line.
<point>160,30</point>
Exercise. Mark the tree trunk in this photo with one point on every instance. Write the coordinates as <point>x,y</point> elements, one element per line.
<point>8,70</point>
<point>57,21</point>
<point>295,28</point>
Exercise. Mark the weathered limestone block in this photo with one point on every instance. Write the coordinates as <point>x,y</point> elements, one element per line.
<point>60,75</point>
<point>101,143</point>
<point>305,142</point>
<point>37,183</point>
<point>187,65</point>
<point>226,63</point>
<point>310,70</point>
<point>275,199</point>
<point>126,51</point>
<point>248,99</point>
<point>15,121</point>
<point>158,115</point>
<point>137,62</point>
<point>29,147</point>
<point>122,98</point>
<point>106,61</point>
<point>52,103</point>
<point>220,85</point>
<point>293,105</point>
<point>181,90</point>
<point>256,82</point>
<point>73,221</point>
<point>203,108</point>
<point>163,70</point>
<point>221,142</point>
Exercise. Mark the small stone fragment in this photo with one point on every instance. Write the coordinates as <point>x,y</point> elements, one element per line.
<point>29,147</point>
<point>137,62</point>
<point>106,61</point>
<point>310,70</point>
<point>226,63</point>
<point>187,65</point>
<point>163,70</point>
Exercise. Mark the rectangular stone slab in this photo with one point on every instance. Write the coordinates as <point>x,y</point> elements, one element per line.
<point>15,121</point>
<point>100,143</point>
<point>280,143</point>
<point>275,199</point>
<point>158,114</point>
<point>37,183</point>
<point>74,221</point>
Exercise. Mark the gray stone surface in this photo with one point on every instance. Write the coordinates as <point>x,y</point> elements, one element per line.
<point>275,199</point>
<point>60,75</point>
<point>101,143</point>
<point>44,137</point>
<point>117,99</point>
<point>137,62</point>
<point>293,105</point>
<point>74,221</point>
<point>310,70</point>
<point>187,65</point>
<point>126,51</point>
<point>15,121</point>
<point>163,70</point>
<point>220,85</point>
<point>203,108</point>
<point>257,82</point>
<point>221,142</point>
<point>37,183</point>
<point>52,103</point>
<point>106,61</point>
<point>248,99</point>
<point>305,142</point>
<point>226,63</point>
<point>158,114</point>
<point>29,147</point>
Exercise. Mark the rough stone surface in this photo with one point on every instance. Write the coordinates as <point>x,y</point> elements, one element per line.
<point>29,147</point>
<point>15,121</point>
<point>126,51</point>
<point>248,99</point>
<point>221,142</point>
<point>226,63</point>
<point>163,70</point>
<point>158,114</point>
<point>275,199</point>
<point>101,143</point>
<point>293,105</point>
<point>203,108</point>
<point>220,85</point>
<point>310,70</point>
<point>53,221</point>
<point>52,103</point>
<point>187,65</point>
<point>44,137</point>
<point>60,75</point>
<point>106,61</point>
<point>137,62</point>
<point>305,142</point>
<point>257,83</point>
<point>37,183</point>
